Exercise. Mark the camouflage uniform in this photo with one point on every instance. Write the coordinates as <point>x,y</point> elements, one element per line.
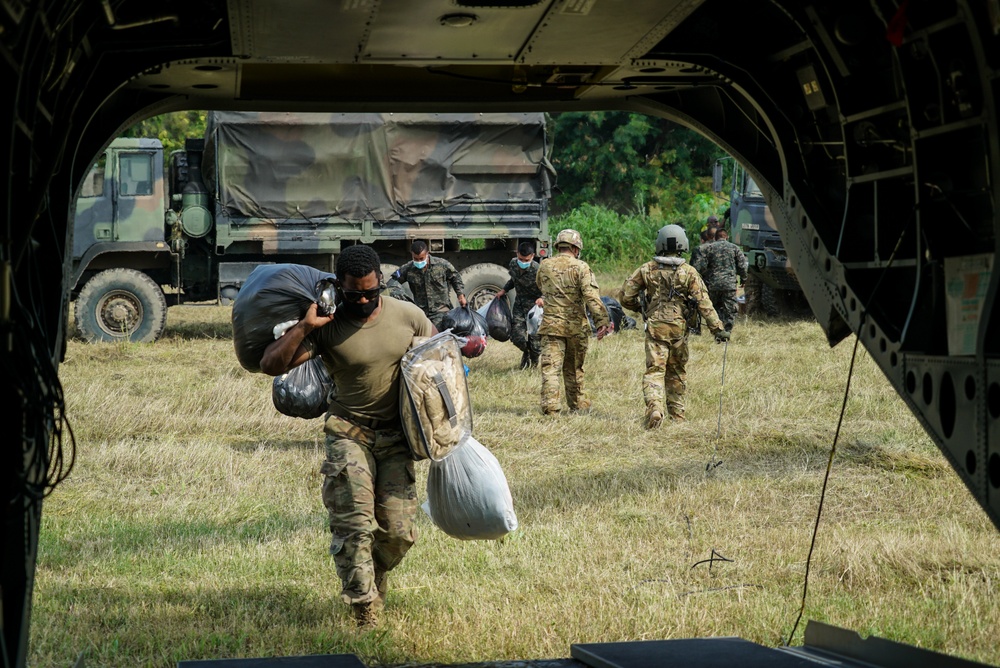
<point>430,286</point>
<point>719,265</point>
<point>669,285</point>
<point>523,280</point>
<point>570,290</point>
<point>372,517</point>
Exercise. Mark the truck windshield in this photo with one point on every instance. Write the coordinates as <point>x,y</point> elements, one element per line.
<point>751,189</point>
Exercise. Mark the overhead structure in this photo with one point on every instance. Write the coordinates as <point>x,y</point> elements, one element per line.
<point>870,125</point>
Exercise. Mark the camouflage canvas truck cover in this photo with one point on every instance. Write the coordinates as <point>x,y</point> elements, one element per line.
<point>298,187</point>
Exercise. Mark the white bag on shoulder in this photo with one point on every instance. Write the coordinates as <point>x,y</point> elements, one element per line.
<point>468,496</point>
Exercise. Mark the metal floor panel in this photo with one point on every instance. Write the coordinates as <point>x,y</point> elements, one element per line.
<point>688,653</point>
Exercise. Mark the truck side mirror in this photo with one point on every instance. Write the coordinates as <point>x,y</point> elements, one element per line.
<point>717,177</point>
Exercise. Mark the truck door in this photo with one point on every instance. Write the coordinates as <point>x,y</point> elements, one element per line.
<point>94,209</point>
<point>140,207</point>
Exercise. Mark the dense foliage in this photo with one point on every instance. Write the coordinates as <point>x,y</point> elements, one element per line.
<point>171,129</point>
<point>631,163</point>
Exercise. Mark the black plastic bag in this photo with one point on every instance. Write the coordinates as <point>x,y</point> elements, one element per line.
<point>460,321</point>
<point>272,294</point>
<point>303,392</point>
<point>615,311</point>
<point>499,321</point>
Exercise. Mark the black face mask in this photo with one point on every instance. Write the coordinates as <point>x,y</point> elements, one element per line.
<point>359,310</point>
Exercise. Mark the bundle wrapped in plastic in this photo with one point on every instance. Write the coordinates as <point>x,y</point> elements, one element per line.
<point>468,496</point>
<point>534,320</point>
<point>275,294</point>
<point>434,396</point>
<point>305,391</point>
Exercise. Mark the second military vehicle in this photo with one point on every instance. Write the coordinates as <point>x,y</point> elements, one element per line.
<point>296,188</point>
<point>771,285</point>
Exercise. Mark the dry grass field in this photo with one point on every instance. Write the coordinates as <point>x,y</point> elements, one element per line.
<point>191,526</point>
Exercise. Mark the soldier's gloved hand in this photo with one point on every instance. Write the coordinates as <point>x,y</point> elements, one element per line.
<point>722,335</point>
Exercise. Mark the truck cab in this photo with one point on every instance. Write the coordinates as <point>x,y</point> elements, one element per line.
<point>119,247</point>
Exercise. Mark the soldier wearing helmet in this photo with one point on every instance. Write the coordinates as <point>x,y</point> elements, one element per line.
<point>664,290</point>
<point>569,291</point>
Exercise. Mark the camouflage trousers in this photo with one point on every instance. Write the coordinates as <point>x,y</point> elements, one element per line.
<point>370,495</point>
<point>562,363</point>
<point>665,378</point>
<point>519,332</point>
<point>724,302</point>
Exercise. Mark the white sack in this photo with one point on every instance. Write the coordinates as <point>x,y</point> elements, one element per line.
<point>468,496</point>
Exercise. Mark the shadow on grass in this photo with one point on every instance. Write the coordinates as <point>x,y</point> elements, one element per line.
<point>168,624</point>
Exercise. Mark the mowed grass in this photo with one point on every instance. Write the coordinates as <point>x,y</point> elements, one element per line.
<point>192,528</point>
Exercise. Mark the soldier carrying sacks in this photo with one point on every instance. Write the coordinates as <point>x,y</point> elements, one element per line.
<point>523,270</point>
<point>429,278</point>
<point>665,286</point>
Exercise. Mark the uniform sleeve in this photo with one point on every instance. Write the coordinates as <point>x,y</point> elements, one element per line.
<point>741,264</point>
<point>510,283</point>
<point>592,297</point>
<point>455,279</point>
<point>698,292</point>
<point>631,289</point>
<point>399,276</point>
<point>699,262</point>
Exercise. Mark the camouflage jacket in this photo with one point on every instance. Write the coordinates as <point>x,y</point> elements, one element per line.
<point>430,284</point>
<point>670,285</point>
<point>523,280</point>
<point>696,253</point>
<point>570,290</point>
<point>720,263</point>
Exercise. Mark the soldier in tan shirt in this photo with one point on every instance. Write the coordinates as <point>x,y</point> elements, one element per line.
<point>569,291</point>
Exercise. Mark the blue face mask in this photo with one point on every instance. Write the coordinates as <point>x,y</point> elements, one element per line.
<point>524,265</point>
<point>420,265</point>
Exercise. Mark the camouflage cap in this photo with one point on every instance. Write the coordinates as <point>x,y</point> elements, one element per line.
<point>571,237</point>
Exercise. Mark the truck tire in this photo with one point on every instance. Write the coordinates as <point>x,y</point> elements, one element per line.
<point>121,305</point>
<point>483,282</point>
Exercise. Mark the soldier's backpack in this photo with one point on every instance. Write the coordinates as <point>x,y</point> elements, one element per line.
<point>434,396</point>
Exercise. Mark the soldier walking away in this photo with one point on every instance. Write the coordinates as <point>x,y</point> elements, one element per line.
<point>569,291</point>
<point>523,269</point>
<point>666,286</point>
<point>368,486</point>
<point>719,265</point>
<point>429,279</point>
<point>707,236</point>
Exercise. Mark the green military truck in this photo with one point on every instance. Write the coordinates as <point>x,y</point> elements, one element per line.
<point>771,286</point>
<point>297,188</point>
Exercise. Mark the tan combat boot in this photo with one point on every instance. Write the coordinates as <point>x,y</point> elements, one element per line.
<point>654,418</point>
<point>365,614</point>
